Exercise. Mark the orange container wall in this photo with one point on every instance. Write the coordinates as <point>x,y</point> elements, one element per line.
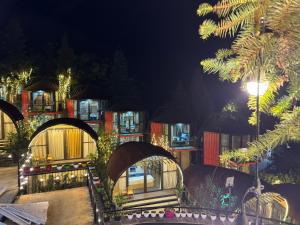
<point>25,104</point>
<point>211,148</point>
<point>108,121</point>
<point>70,108</point>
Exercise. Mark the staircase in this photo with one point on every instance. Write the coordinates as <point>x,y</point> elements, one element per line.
<point>4,159</point>
<point>161,199</point>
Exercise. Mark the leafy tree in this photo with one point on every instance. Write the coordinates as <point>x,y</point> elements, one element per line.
<point>266,43</point>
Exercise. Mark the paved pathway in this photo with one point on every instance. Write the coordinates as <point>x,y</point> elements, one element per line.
<point>9,181</point>
<point>66,207</point>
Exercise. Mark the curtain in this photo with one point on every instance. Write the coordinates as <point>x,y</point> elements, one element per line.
<point>120,186</point>
<point>89,145</point>
<point>73,143</point>
<point>38,146</point>
<point>170,175</point>
<point>56,144</point>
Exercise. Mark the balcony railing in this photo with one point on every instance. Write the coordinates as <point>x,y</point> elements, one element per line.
<point>50,107</point>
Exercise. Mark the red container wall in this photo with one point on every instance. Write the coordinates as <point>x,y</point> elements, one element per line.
<point>211,148</point>
<point>25,104</point>
<point>156,129</point>
<point>109,122</point>
<point>70,108</point>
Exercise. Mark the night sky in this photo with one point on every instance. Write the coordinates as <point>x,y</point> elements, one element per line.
<point>159,38</point>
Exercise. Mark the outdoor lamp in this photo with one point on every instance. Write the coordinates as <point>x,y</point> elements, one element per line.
<point>252,88</point>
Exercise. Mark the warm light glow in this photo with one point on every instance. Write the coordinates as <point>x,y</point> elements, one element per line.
<point>252,88</point>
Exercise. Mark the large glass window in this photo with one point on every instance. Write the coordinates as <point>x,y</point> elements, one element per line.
<point>130,122</point>
<point>89,110</point>
<point>62,142</point>
<point>225,142</point>
<point>6,126</point>
<point>180,135</point>
<point>236,141</point>
<point>43,101</point>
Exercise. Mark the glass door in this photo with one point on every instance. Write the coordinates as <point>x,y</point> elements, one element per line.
<point>136,178</point>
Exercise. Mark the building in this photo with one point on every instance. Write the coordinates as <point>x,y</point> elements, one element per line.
<point>173,127</point>
<point>222,134</point>
<point>145,171</point>
<point>59,151</point>
<point>88,104</point>
<point>41,97</point>
<point>127,120</point>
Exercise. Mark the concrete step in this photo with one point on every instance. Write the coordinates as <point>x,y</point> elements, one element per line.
<point>158,201</point>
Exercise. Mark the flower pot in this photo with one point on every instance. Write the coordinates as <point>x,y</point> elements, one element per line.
<point>49,168</point>
<point>59,167</point>
<point>196,215</point>
<point>138,215</point>
<point>222,217</point>
<point>203,215</point>
<point>177,214</point>
<point>130,216</point>
<point>76,166</point>
<point>146,214</point>
<point>183,214</point>
<point>213,217</point>
<point>189,214</point>
<point>161,214</point>
<point>153,214</point>
<point>231,218</point>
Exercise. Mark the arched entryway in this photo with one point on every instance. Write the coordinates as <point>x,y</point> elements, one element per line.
<point>137,167</point>
<point>63,139</point>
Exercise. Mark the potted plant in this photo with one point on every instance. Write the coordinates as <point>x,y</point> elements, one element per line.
<point>37,169</point>
<point>189,214</point>
<point>213,216</point>
<point>183,214</point>
<point>59,167</point>
<point>48,168</point>
<point>161,214</point>
<point>153,214</point>
<point>138,215</point>
<point>196,215</point>
<point>203,215</point>
<point>146,214</point>
<point>76,166</point>
<point>222,217</point>
<point>130,216</point>
<point>177,214</point>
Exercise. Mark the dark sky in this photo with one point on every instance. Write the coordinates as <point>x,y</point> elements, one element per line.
<point>159,37</point>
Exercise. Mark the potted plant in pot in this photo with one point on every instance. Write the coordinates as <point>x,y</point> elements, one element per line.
<point>161,214</point>
<point>222,217</point>
<point>76,165</point>
<point>59,167</point>
<point>130,215</point>
<point>153,214</point>
<point>146,214</point>
<point>138,215</point>
<point>177,214</point>
<point>183,214</point>
<point>203,215</point>
<point>196,215</point>
<point>213,216</point>
<point>189,214</point>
